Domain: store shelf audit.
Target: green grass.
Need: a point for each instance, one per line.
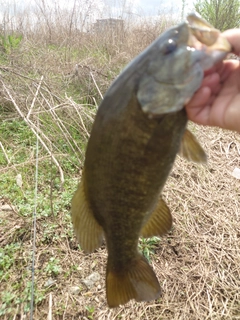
(10, 42)
(16, 286)
(148, 246)
(63, 108)
(52, 213)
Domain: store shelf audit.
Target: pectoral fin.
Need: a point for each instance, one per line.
(89, 233)
(160, 221)
(191, 149)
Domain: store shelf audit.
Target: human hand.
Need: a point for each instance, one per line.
(217, 101)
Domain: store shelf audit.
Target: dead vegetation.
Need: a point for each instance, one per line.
(43, 93)
(197, 263)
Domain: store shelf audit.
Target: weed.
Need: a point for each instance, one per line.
(53, 268)
(7, 259)
(10, 42)
(90, 310)
(148, 246)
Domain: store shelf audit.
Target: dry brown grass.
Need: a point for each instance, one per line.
(197, 263)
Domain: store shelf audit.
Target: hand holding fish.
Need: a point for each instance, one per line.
(217, 102)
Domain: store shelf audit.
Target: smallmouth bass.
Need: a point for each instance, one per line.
(139, 128)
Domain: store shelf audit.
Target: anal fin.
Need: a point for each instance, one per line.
(137, 281)
(88, 232)
(190, 148)
(160, 221)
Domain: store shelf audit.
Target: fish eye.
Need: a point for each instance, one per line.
(170, 47)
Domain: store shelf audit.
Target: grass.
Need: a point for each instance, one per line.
(148, 246)
(43, 94)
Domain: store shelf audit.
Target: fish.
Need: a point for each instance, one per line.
(139, 128)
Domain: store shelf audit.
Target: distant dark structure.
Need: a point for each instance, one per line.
(108, 25)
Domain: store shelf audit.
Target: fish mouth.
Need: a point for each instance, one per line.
(207, 45)
(205, 38)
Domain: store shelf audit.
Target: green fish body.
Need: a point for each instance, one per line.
(139, 128)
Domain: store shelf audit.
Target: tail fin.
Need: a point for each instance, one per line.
(137, 281)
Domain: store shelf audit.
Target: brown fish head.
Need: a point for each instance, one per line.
(177, 61)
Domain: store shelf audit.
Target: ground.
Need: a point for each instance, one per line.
(197, 263)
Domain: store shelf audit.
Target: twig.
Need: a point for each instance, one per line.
(36, 131)
(96, 105)
(7, 69)
(96, 85)
(80, 117)
(34, 229)
(62, 127)
(34, 98)
(65, 308)
(4, 152)
(87, 67)
(51, 188)
(14, 166)
(50, 307)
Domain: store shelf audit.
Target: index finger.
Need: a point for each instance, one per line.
(233, 36)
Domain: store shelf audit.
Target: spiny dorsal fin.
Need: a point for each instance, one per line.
(160, 221)
(89, 233)
(137, 281)
(190, 148)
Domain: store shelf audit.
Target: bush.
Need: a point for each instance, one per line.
(222, 14)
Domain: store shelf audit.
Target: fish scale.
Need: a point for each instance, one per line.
(139, 128)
